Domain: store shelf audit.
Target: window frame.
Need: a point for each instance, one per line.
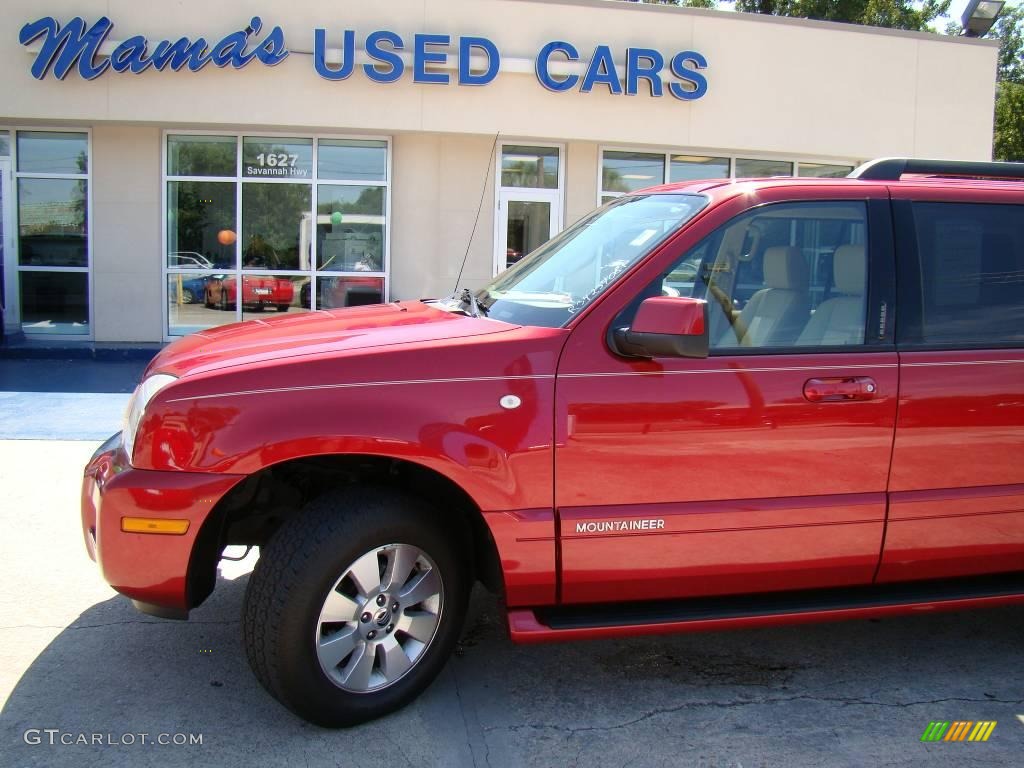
(879, 335)
(12, 266)
(732, 157)
(313, 273)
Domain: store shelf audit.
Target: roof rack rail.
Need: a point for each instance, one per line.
(892, 168)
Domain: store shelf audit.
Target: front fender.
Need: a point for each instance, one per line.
(502, 458)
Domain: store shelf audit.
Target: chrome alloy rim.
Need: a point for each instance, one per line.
(379, 618)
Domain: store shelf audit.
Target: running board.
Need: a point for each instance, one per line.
(742, 611)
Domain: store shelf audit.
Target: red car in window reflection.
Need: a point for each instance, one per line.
(344, 292)
(258, 291)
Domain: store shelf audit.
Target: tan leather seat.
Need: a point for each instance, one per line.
(840, 320)
(775, 315)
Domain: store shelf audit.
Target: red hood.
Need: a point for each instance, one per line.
(316, 333)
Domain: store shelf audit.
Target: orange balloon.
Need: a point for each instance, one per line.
(226, 237)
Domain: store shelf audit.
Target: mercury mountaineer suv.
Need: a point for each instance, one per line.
(706, 405)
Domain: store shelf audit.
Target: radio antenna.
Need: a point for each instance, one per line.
(483, 192)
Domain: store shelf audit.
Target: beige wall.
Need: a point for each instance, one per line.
(581, 180)
(807, 88)
(435, 195)
(127, 289)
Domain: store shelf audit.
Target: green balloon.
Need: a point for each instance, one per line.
(336, 218)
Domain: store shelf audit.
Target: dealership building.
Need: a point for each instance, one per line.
(173, 166)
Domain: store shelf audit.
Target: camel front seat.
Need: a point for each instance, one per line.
(775, 315)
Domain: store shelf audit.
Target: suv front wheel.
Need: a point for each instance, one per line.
(354, 606)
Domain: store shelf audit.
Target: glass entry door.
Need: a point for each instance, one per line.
(526, 220)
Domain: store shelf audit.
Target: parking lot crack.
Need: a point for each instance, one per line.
(837, 700)
(465, 723)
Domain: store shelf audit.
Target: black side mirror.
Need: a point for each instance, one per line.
(665, 326)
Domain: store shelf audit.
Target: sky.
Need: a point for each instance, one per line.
(956, 10)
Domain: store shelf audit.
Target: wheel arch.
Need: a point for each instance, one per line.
(252, 510)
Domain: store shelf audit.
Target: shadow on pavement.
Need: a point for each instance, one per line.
(78, 375)
(854, 693)
(78, 399)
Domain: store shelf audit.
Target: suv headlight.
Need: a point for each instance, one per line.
(145, 392)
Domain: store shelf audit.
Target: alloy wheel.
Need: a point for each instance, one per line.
(379, 618)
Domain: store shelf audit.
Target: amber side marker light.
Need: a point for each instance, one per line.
(153, 525)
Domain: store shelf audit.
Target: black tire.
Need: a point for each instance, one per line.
(224, 305)
(299, 567)
(283, 307)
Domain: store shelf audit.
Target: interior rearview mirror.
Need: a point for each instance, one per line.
(665, 326)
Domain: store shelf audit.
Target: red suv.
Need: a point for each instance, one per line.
(706, 405)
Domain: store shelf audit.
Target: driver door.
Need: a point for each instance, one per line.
(682, 477)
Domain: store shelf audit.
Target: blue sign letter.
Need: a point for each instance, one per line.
(272, 50)
(131, 54)
(466, 46)
(390, 58)
(542, 66)
(649, 71)
(601, 70)
(684, 73)
(421, 57)
(67, 45)
(348, 55)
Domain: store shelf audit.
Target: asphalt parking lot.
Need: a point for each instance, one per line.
(77, 658)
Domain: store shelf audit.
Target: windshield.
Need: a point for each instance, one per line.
(564, 275)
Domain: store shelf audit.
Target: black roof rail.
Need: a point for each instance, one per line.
(892, 168)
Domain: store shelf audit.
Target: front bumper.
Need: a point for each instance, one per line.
(151, 569)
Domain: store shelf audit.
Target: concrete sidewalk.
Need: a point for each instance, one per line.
(75, 399)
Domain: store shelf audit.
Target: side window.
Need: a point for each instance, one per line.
(972, 273)
(781, 276)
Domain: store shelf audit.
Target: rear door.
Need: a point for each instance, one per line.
(763, 467)
(957, 487)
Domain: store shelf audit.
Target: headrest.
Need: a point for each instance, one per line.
(785, 267)
(848, 269)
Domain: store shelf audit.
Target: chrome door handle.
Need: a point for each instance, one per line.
(840, 389)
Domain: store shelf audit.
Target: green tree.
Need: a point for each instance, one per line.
(1008, 141)
(895, 14)
(1008, 137)
(681, 3)
(1009, 30)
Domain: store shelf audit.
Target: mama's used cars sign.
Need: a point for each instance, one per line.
(385, 58)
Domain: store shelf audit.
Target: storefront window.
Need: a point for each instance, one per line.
(52, 185)
(824, 170)
(249, 231)
(277, 158)
(697, 167)
(51, 152)
(528, 166)
(747, 168)
(5, 144)
(624, 171)
(200, 224)
(275, 223)
(350, 228)
(352, 160)
(201, 155)
(630, 171)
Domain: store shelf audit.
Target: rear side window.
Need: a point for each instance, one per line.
(972, 273)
